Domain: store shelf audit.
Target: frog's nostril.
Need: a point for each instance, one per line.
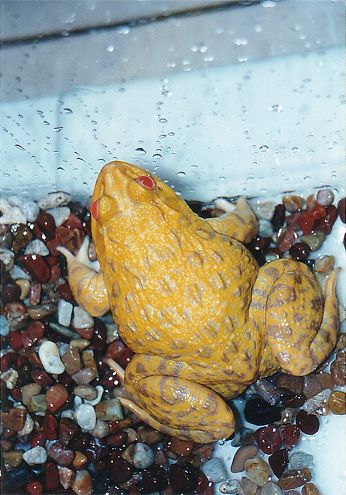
(95, 209)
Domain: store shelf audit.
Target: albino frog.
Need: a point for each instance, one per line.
(190, 300)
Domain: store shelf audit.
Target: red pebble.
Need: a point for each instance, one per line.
(293, 221)
(38, 438)
(34, 488)
(118, 351)
(65, 292)
(268, 439)
(56, 396)
(50, 427)
(52, 260)
(309, 218)
(16, 341)
(278, 462)
(342, 209)
(51, 482)
(33, 333)
(61, 454)
(46, 224)
(85, 333)
(327, 222)
(70, 238)
(42, 378)
(36, 266)
(7, 360)
(35, 293)
(17, 394)
(55, 274)
(287, 241)
(307, 423)
(73, 222)
(290, 435)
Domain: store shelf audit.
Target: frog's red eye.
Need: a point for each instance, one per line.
(146, 182)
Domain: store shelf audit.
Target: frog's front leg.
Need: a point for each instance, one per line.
(240, 224)
(174, 405)
(300, 330)
(87, 285)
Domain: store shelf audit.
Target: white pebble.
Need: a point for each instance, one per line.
(215, 470)
(37, 455)
(11, 214)
(10, 377)
(37, 247)
(232, 487)
(60, 214)
(86, 417)
(30, 210)
(81, 319)
(7, 257)
(65, 309)
(99, 390)
(101, 429)
(271, 488)
(316, 402)
(17, 273)
(16, 201)
(66, 413)
(50, 357)
(143, 456)
(28, 426)
(54, 199)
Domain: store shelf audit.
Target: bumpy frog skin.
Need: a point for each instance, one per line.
(189, 299)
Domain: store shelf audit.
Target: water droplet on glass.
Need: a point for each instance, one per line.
(268, 4)
(141, 150)
(199, 47)
(20, 147)
(171, 133)
(162, 120)
(60, 169)
(123, 30)
(181, 174)
(110, 48)
(157, 155)
(240, 41)
(295, 149)
(264, 148)
(276, 108)
(242, 59)
(258, 28)
(68, 110)
(210, 58)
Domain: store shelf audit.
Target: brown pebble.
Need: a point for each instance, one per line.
(337, 402)
(181, 447)
(326, 380)
(341, 342)
(28, 391)
(242, 454)
(79, 460)
(293, 203)
(311, 386)
(14, 419)
(82, 484)
(41, 311)
(131, 435)
(290, 382)
(127, 454)
(338, 368)
(72, 361)
(13, 458)
(258, 470)
(149, 435)
(24, 288)
(294, 478)
(310, 489)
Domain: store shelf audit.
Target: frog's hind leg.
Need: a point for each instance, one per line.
(300, 332)
(174, 405)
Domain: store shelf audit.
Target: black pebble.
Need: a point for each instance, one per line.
(258, 412)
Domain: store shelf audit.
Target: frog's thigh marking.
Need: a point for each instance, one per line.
(240, 224)
(174, 405)
(300, 333)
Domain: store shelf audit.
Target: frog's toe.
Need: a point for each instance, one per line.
(82, 255)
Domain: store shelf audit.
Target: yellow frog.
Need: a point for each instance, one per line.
(190, 300)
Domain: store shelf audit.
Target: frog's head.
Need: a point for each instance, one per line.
(122, 188)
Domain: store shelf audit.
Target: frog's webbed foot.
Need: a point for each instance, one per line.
(240, 223)
(300, 332)
(87, 284)
(173, 405)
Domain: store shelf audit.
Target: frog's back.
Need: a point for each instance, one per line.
(181, 289)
